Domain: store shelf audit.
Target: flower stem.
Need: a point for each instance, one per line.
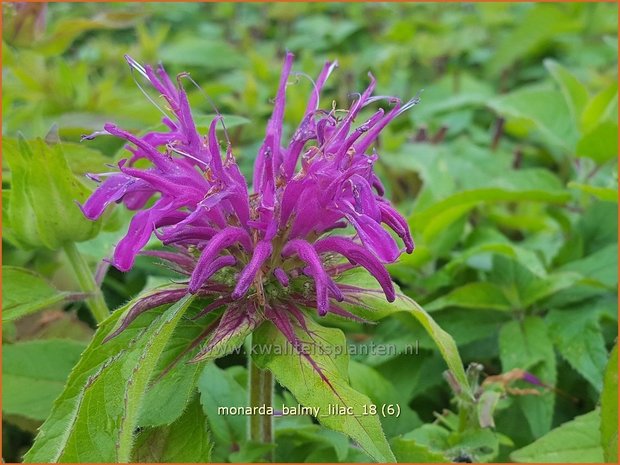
(87, 283)
(261, 394)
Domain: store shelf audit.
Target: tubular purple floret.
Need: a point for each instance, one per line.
(357, 254)
(262, 252)
(202, 273)
(281, 276)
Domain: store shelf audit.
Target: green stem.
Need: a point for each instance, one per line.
(87, 283)
(261, 394)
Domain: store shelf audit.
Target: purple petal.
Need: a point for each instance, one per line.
(281, 276)
(308, 254)
(204, 271)
(111, 190)
(359, 255)
(154, 300)
(394, 220)
(262, 252)
(373, 235)
(139, 232)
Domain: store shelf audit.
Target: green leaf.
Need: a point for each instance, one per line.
(602, 107)
(218, 388)
(600, 144)
(523, 288)
(187, 440)
(575, 93)
(34, 374)
(43, 212)
(577, 441)
(174, 379)
(577, 336)
(26, 292)
(480, 295)
(609, 409)
(601, 266)
(107, 375)
(602, 193)
(543, 108)
(526, 345)
(409, 451)
(370, 382)
(525, 185)
(297, 374)
(368, 301)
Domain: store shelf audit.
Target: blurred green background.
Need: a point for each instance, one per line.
(506, 171)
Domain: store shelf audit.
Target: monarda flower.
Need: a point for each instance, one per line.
(316, 210)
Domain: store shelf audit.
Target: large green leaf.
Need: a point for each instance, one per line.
(575, 93)
(327, 348)
(480, 295)
(174, 379)
(544, 109)
(600, 144)
(187, 440)
(218, 388)
(526, 345)
(366, 299)
(105, 392)
(525, 185)
(576, 441)
(609, 409)
(34, 374)
(577, 335)
(522, 288)
(25, 292)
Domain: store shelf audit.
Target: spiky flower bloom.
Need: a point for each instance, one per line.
(271, 253)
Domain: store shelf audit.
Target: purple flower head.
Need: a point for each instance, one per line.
(258, 253)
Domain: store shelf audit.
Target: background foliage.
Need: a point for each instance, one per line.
(507, 172)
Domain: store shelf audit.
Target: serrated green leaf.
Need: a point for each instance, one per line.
(576, 441)
(65, 435)
(34, 374)
(522, 288)
(526, 345)
(295, 372)
(174, 379)
(368, 301)
(25, 292)
(609, 409)
(577, 336)
(187, 440)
